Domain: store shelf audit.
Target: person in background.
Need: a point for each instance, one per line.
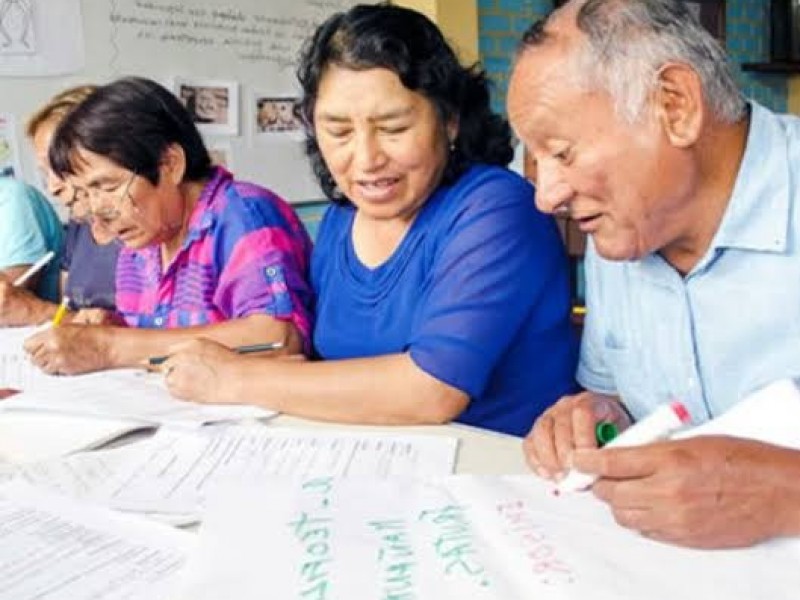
(689, 194)
(441, 292)
(87, 246)
(29, 229)
(204, 254)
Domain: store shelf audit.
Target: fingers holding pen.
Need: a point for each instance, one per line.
(200, 371)
(568, 425)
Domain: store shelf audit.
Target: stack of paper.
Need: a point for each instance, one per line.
(174, 471)
(53, 548)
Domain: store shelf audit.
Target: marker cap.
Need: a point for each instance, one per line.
(605, 431)
(680, 411)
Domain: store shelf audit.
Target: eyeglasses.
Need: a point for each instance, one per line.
(111, 204)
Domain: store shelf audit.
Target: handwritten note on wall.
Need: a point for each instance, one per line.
(236, 36)
(457, 537)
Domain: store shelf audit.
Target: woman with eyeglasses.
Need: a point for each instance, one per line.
(89, 259)
(204, 255)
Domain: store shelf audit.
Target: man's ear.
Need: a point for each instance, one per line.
(679, 104)
(173, 164)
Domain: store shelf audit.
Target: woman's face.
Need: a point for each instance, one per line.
(267, 114)
(385, 145)
(209, 105)
(41, 144)
(57, 187)
(127, 205)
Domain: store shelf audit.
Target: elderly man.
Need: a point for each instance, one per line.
(690, 195)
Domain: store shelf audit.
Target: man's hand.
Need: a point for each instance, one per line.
(705, 492)
(71, 349)
(567, 425)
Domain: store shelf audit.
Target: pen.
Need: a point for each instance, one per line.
(61, 311)
(34, 269)
(157, 360)
(659, 424)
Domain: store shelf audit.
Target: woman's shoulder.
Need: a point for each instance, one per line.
(236, 200)
(486, 189)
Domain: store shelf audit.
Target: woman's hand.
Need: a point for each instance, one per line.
(203, 371)
(97, 316)
(71, 349)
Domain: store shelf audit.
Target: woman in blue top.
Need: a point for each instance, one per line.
(442, 292)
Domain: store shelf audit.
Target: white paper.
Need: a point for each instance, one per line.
(9, 147)
(456, 537)
(120, 394)
(17, 35)
(16, 371)
(76, 476)
(770, 414)
(27, 437)
(49, 42)
(54, 549)
(124, 394)
(175, 470)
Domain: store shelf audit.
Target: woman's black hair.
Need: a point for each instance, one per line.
(130, 121)
(409, 44)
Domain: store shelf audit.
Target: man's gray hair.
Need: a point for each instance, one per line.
(629, 41)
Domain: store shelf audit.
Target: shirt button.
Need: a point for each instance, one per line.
(271, 272)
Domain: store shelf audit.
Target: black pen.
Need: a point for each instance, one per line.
(154, 361)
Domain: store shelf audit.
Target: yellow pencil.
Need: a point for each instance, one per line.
(62, 310)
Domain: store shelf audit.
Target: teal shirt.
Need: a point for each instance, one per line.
(29, 228)
(732, 324)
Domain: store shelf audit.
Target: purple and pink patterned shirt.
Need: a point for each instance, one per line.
(246, 252)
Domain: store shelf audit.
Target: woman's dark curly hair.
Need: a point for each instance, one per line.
(409, 44)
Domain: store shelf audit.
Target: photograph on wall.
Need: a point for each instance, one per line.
(214, 105)
(17, 27)
(9, 148)
(274, 115)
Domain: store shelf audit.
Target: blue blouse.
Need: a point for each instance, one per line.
(477, 293)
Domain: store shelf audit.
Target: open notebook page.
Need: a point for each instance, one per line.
(120, 394)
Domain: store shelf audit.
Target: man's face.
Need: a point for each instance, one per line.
(622, 183)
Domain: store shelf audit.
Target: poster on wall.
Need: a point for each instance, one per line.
(40, 38)
(9, 148)
(17, 35)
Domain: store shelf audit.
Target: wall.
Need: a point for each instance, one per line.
(794, 95)
(458, 20)
(747, 33)
(501, 23)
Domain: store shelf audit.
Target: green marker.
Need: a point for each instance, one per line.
(605, 431)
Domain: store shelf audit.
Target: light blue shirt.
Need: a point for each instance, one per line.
(733, 323)
(29, 228)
